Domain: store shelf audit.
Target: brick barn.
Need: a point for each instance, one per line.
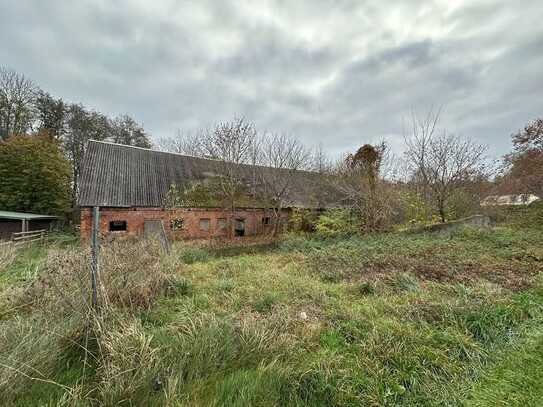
(131, 187)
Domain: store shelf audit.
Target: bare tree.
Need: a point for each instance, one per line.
(232, 144)
(320, 161)
(441, 163)
(282, 157)
(17, 95)
(360, 179)
(183, 143)
(258, 167)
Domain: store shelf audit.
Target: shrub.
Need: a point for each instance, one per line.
(302, 220)
(462, 204)
(337, 223)
(134, 275)
(415, 210)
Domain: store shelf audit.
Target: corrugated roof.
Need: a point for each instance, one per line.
(116, 175)
(26, 216)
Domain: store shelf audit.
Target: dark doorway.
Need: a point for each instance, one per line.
(239, 227)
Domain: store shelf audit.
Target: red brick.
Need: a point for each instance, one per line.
(135, 218)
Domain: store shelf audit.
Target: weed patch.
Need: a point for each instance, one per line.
(391, 319)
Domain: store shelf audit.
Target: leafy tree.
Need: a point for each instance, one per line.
(531, 138)
(82, 125)
(51, 114)
(34, 175)
(525, 164)
(24, 107)
(125, 130)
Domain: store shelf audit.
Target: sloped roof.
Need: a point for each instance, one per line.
(116, 175)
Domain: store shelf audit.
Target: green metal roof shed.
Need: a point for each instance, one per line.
(11, 222)
(26, 216)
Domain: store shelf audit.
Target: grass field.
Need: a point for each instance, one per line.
(390, 319)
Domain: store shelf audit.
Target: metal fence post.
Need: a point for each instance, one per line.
(95, 253)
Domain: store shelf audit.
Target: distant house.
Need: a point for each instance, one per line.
(509, 200)
(13, 222)
(131, 186)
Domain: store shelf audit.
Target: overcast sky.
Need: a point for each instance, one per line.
(340, 73)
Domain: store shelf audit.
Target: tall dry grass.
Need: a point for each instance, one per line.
(56, 326)
(7, 255)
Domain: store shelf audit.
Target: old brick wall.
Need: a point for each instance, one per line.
(191, 219)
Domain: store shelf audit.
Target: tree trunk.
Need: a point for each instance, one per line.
(232, 220)
(277, 215)
(442, 212)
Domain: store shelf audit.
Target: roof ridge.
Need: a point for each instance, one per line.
(152, 150)
(200, 158)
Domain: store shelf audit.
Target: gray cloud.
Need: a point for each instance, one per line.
(337, 73)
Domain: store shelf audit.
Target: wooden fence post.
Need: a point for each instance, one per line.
(95, 254)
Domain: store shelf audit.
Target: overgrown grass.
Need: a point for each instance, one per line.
(386, 319)
(516, 378)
